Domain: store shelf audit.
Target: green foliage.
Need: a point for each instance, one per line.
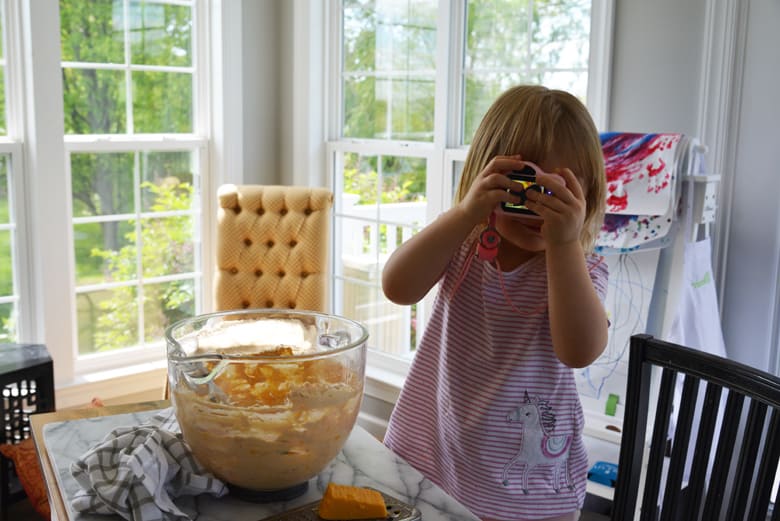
(402, 180)
(166, 248)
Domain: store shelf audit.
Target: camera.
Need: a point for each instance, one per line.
(524, 179)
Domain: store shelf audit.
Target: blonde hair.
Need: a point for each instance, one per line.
(540, 124)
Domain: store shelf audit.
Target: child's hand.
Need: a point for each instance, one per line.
(563, 212)
(490, 188)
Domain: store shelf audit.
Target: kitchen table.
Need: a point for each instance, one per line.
(64, 436)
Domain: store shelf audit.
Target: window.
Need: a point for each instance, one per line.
(410, 84)
(129, 78)
(10, 162)
(123, 88)
(128, 71)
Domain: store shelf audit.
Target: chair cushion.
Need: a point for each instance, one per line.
(30, 475)
(272, 246)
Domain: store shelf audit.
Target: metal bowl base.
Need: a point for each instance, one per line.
(268, 496)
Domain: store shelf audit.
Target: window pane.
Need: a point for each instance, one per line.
(7, 323)
(481, 91)
(389, 35)
(8, 297)
(160, 34)
(403, 186)
(383, 204)
(509, 42)
(573, 82)
(165, 304)
(391, 327)
(6, 269)
(167, 180)
(497, 35)
(105, 252)
(94, 101)
(5, 191)
(2, 30)
(382, 108)
(92, 31)
(162, 102)
(107, 319)
(167, 246)
(102, 184)
(106, 244)
(3, 124)
(389, 69)
(561, 37)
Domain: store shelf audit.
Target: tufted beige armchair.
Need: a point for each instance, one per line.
(272, 247)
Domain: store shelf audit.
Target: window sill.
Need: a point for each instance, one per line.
(383, 384)
(112, 384)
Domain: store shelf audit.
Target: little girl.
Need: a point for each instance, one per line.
(490, 410)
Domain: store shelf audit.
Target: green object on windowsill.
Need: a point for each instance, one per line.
(612, 402)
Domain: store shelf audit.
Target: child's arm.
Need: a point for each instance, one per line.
(413, 269)
(578, 321)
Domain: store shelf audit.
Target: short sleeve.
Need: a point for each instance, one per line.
(599, 274)
(453, 273)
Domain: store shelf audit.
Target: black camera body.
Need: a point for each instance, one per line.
(524, 180)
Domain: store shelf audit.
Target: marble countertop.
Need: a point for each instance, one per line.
(364, 461)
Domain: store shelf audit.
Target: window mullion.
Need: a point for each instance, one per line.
(11, 145)
(447, 111)
(46, 178)
(128, 73)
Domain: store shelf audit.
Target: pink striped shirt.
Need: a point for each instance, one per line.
(488, 412)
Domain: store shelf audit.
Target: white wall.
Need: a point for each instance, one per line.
(751, 238)
(262, 54)
(657, 58)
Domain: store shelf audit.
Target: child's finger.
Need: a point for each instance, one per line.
(572, 183)
(502, 165)
(545, 201)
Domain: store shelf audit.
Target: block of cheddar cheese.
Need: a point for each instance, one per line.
(346, 502)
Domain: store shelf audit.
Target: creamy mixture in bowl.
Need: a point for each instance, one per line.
(266, 399)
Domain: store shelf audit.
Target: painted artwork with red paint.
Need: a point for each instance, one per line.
(640, 170)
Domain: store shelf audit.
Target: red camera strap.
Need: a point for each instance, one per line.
(489, 239)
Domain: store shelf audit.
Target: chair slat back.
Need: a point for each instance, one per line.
(731, 479)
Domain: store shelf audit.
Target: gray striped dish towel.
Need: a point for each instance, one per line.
(136, 472)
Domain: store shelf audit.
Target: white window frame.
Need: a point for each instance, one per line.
(148, 353)
(11, 145)
(386, 373)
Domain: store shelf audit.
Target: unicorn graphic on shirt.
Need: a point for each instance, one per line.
(539, 446)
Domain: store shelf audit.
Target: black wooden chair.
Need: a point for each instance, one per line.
(732, 483)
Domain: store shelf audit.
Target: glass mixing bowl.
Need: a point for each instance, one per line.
(266, 398)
